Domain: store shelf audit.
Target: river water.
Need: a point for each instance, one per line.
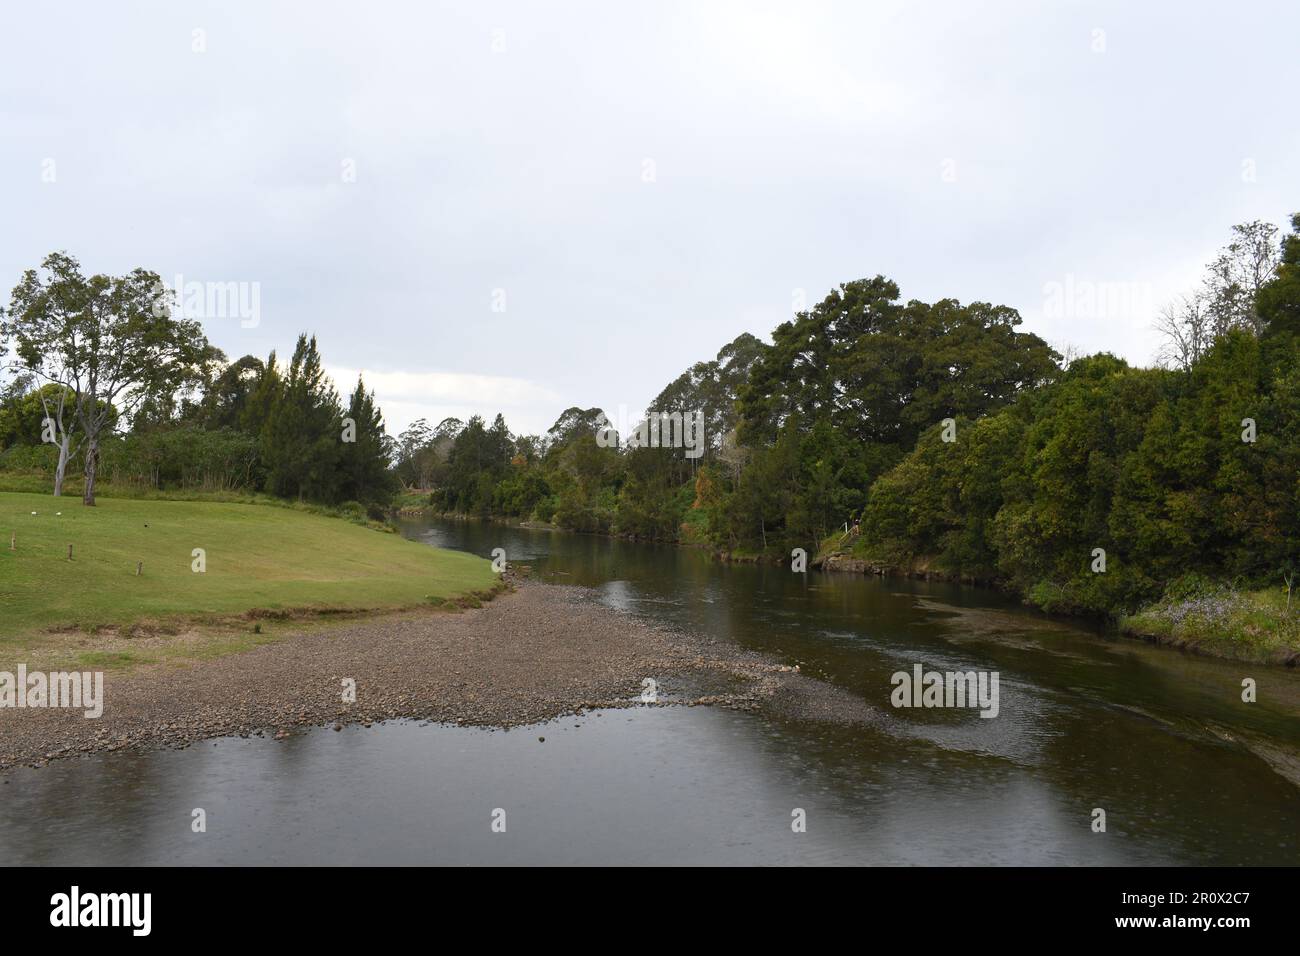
(1186, 772)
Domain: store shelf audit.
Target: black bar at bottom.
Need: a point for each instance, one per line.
(212, 904)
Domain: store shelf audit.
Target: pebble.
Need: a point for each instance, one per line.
(566, 655)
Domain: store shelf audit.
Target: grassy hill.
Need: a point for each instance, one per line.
(257, 558)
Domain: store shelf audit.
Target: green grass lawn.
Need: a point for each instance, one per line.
(257, 557)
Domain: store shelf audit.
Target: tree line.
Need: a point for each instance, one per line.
(908, 433)
(899, 431)
(106, 376)
(1166, 475)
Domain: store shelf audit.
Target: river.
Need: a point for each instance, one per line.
(1186, 772)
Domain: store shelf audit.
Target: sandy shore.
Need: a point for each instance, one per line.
(537, 653)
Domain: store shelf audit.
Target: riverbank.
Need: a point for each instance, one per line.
(538, 653)
(1256, 630)
(1254, 626)
(145, 567)
(1241, 625)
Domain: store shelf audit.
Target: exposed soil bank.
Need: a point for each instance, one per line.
(538, 653)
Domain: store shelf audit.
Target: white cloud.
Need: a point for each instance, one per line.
(797, 145)
(529, 407)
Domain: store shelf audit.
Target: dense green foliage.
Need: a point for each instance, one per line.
(793, 433)
(1161, 469)
(902, 432)
(108, 344)
(1148, 464)
(250, 427)
(844, 418)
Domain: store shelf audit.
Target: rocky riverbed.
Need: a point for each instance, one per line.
(539, 652)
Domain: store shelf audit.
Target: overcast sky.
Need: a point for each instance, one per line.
(520, 207)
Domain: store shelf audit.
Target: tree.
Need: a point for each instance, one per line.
(1233, 281)
(421, 452)
(411, 444)
(576, 421)
(1187, 327)
(712, 389)
(302, 437)
(479, 459)
(1279, 300)
(863, 375)
(882, 372)
(21, 414)
(364, 460)
(227, 396)
(112, 341)
(57, 421)
(40, 415)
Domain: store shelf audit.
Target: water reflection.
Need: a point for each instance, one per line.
(1160, 739)
(656, 786)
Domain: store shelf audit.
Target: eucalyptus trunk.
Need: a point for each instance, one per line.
(61, 469)
(92, 462)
